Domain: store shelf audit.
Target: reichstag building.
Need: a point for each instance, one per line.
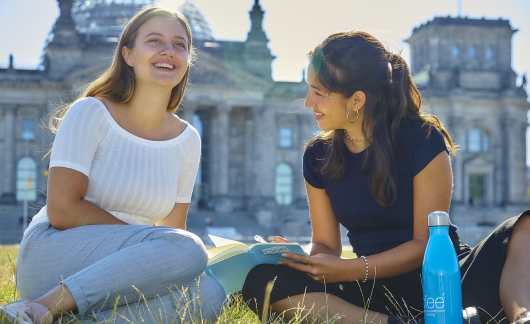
(253, 128)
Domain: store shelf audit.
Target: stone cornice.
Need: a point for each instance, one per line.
(5, 107)
(462, 21)
(7, 85)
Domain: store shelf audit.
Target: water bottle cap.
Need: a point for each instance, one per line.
(439, 218)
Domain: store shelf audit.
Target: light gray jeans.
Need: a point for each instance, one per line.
(141, 273)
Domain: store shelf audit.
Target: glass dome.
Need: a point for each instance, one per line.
(106, 18)
(199, 26)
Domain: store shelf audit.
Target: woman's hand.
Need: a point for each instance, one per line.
(324, 268)
(279, 239)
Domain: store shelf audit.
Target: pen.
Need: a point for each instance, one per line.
(259, 239)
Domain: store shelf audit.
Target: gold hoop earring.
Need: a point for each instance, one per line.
(348, 116)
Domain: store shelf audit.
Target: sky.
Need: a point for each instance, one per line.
(293, 27)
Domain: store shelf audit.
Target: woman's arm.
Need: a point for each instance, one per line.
(186, 182)
(66, 205)
(74, 148)
(177, 217)
(325, 236)
(432, 191)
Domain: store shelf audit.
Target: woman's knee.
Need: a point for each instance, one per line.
(186, 251)
(202, 297)
(212, 297)
(253, 290)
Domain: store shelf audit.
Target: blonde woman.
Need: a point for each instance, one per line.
(121, 162)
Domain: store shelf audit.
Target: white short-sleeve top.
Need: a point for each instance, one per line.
(135, 179)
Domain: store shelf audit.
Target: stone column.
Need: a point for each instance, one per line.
(521, 141)
(249, 160)
(502, 163)
(223, 203)
(268, 149)
(257, 150)
(187, 112)
(9, 170)
(517, 160)
(264, 152)
(43, 144)
(456, 128)
(304, 136)
(263, 204)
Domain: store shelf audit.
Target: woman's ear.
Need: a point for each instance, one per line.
(126, 54)
(357, 100)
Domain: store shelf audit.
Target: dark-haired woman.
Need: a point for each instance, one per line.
(121, 162)
(379, 167)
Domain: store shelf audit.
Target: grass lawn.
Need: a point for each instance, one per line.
(6, 252)
(235, 312)
(8, 256)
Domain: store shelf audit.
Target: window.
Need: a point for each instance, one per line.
(477, 189)
(28, 129)
(490, 55)
(284, 184)
(455, 51)
(475, 140)
(472, 52)
(26, 179)
(286, 137)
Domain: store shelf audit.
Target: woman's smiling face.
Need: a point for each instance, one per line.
(329, 108)
(160, 52)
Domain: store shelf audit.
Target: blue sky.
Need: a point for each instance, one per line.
(293, 26)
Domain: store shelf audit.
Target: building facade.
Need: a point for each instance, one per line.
(253, 128)
(464, 69)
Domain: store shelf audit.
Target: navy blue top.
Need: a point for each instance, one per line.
(370, 225)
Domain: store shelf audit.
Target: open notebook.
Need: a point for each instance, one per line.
(230, 261)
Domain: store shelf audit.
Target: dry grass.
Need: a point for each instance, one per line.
(8, 252)
(234, 312)
(8, 256)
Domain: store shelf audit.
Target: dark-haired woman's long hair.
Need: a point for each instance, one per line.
(353, 61)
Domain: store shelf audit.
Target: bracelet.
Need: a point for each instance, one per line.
(366, 264)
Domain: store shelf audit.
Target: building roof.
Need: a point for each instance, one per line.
(464, 21)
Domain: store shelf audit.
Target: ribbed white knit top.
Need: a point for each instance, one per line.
(136, 180)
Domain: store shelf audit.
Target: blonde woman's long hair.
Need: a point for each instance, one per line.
(118, 82)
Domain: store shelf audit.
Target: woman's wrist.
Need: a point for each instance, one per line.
(366, 267)
(357, 269)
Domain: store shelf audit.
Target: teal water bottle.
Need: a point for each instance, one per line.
(442, 288)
